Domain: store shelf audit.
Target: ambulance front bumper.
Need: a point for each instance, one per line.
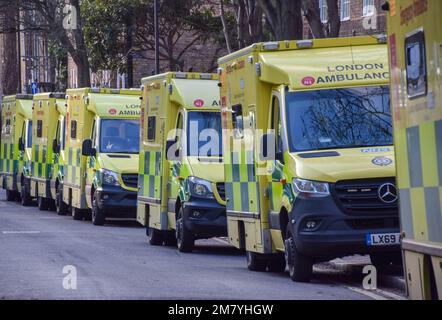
(336, 233)
(117, 202)
(205, 218)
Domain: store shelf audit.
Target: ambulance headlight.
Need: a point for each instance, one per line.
(200, 187)
(312, 188)
(110, 177)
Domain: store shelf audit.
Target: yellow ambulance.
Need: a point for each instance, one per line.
(16, 146)
(47, 116)
(102, 146)
(308, 153)
(415, 40)
(181, 178)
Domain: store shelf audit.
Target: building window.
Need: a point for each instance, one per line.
(323, 11)
(368, 8)
(345, 10)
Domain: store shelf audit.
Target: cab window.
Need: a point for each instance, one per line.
(29, 134)
(276, 123)
(63, 134)
(416, 64)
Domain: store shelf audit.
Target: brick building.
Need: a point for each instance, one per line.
(358, 17)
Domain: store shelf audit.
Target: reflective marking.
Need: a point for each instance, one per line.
(406, 214)
(438, 128)
(434, 219)
(414, 157)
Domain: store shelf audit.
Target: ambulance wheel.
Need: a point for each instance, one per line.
(383, 260)
(277, 264)
(300, 266)
(26, 199)
(155, 237)
(60, 207)
(256, 262)
(77, 214)
(184, 238)
(98, 216)
(51, 205)
(170, 239)
(42, 204)
(10, 195)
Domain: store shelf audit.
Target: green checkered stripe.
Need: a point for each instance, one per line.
(73, 167)
(8, 163)
(41, 166)
(241, 183)
(150, 179)
(419, 162)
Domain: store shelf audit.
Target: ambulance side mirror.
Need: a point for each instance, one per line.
(87, 149)
(172, 150)
(268, 147)
(55, 146)
(21, 144)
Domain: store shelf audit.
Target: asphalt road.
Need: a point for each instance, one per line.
(116, 262)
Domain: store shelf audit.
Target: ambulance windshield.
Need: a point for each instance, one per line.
(204, 134)
(119, 136)
(339, 118)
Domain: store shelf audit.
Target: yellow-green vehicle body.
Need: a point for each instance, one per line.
(170, 104)
(415, 40)
(106, 121)
(16, 144)
(324, 106)
(46, 163)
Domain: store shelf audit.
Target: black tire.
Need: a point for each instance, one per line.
(42, 204)
(60, 206)
(77, 214)
(25, 197)
(170, 239)
(156, 237)
(300, 266)
(98, 216)
(184, 238)
(51, 205)
(277, 264)
(10, 195)
(256, 261)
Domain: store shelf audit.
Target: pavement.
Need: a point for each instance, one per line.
(45, 256)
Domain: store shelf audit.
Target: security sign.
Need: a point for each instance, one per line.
(112, 111)
(382, 161)
(199, 103)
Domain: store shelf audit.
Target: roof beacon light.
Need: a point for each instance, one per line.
(382, 38)
(271, 45)
(304, 44)
(180, 75)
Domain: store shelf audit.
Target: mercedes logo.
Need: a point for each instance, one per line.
(388, 193)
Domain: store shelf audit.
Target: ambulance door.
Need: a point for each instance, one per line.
(90, 165)
(275, 172)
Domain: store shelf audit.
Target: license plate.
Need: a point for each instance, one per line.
(382, 239)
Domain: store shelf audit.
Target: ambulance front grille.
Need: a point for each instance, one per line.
(130, 180)
(221, 187)
(362, 197)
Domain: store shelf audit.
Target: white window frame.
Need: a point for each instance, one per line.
(323, 11)
(345, 4)
(368, 8)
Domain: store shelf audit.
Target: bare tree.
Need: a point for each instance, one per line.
(10, 77)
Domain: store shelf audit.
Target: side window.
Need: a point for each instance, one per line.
(416, 64)
(151, 128)
(276, 123)
(179, 126)
(63, 134)
(237, 121)
(39, 128)
(73, 129)
(29, 134)
(94, 134)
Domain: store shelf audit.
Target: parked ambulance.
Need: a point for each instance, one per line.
(16, 146)
(309, 157)
(48, 114)
(415, 40)
(181, 178)
(101, 148)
